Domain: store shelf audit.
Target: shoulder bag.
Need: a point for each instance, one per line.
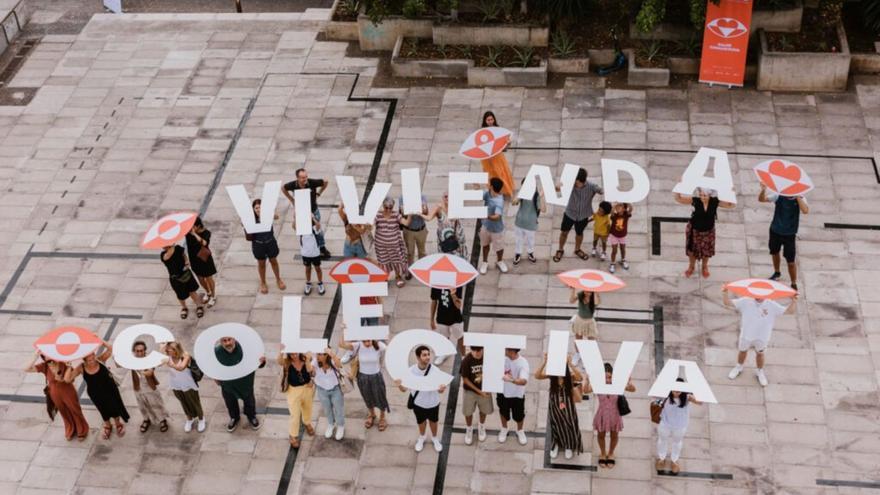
(623, 405)
(657, 409)
(194, 369)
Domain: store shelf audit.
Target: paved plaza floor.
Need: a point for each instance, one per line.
(144, 114)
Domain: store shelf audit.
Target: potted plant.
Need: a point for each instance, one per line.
(647, 65)
(419, 57)
(342, 25)
(383, 21)
(565, 56)
(494, 22)
(508, 66)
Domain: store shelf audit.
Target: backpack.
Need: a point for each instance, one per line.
(449, 243)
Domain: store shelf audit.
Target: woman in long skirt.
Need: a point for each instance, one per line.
(62, 393)
(102, 389)
(497, 166)
(369, 379)
(564, 427)
(388, 241)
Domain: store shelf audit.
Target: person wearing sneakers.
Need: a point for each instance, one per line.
(601, 229)
(328, 387)
(620, 216)
(492, 230)
(783, 230)
(446, 312)
(311, 257)
(472, 381)
(230, 353)
(425, 404)
(316, 187)
(512, 401)
(756, 327)
(526, 224)
(577, 214)
(184, 384)
(674, 419)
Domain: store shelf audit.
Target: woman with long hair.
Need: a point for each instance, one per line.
(607, 418)
(674, 419)
(184, 385)
(103, 390)
(370, 381)
(526, 224)
(264, 246)
(564, 427)
(201, 259)
(583, 323)
(497, 166)
(62, 395)
(328, 385)
(298, 386)
(700, 230)
(183, 282)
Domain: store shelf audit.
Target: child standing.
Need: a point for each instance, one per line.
(311, 256)
(601, 228)
(619, 221)
(526, 224)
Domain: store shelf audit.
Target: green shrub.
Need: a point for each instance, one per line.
(562, 45)
(523, 56)
(413, 8)
(651, 13)
(493, 56)
(871, 11)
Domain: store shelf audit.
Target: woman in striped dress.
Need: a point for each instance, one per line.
(564, 427)
(388, 241)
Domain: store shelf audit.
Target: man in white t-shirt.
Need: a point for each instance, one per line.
(512, 401)
(425, 404)
(756, 327)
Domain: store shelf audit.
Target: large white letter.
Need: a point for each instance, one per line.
(595, 367)
(291, 311)
(694, 383)
(611, 181)
(122, 346)
(348, 193)
(458, 194)
(493, 345)
(242, 203)
(557, 353)
(397, 359)
(411, 190)
(542, 173)
(302, 211)
(251, 346)
(353, 311)
(695, 175)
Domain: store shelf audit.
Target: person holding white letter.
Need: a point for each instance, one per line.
(700, 232)
(424, 404)
(512, 402)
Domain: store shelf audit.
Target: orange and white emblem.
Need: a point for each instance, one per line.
(443, 271)
(759, 288)
(357, 270)
(67, 343)
(168, 230)
(784, 178)
(591, 280)
(485, 143)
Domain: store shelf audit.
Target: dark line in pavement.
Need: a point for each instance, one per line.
(659, 343)
(554, 317)
(491, 432)
(656, 231)
(16, 275)
(570, 308)
(110, 315)
(24, 312)
(850, 226)
(850, 483)
(83, 255)
(689, 474)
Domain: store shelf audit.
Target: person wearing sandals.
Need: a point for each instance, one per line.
(564, 427)
(62, 394)
(388, 241)
(370, 381)
(526, 224)
(299, 388)
(577, 214)
(182, 279)
(264, 246)
(497, 166)
(674, 418)
(103, 391)
(149, 399)
(425, 404)
(583, 324)
(201, 260)
(230, 353)
(448, 228)
(700, 230)
(607, 418)
(184, 385)
(328, 387)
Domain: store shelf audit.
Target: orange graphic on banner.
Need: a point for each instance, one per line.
(726, 42)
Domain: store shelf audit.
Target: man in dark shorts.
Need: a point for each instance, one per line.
(425, 404)
(577, 214)
(316, 187)
(472, 382)
(783, 230)
(512, 401)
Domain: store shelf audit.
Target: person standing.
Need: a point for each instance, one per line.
(298, 386)
(601, 229)
(201, 259)
(577, 214)
(425, 404)
(583, 324)
(184, 385)
(390, 249)
(497, 166)
(564, 427)
(328, 385)
(446, 312)
(620, 216)
(103, 391)
(311, 257)
(353, 247)
(512, 401)
(607, 418)
(264, 246)
(700, 230)
(783, 230)
(316, 187)
(674, 419)
(756, 328)
(149, 399)
(415, 233)
(230, 353)
(370, 381)
(182, 279)
(492, 230)
(526, 224)
(472, 382)
(62, 394)
(449, 230)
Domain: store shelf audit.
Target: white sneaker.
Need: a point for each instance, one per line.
(554, 452)
(611, 268)
(468, 436)
(602, 256)
(735, 372)
(624, 264)
(481, 432)
(437, 445)
(762, 378)
(420, 444)
(502, 435)
(594, 253)
(307, 289)
(569, 454)
(188, 426)
(340, 432)
(502, 266)
(439, 360)
(484, 267)
(521, 436)
(329, 432)
(202, 425)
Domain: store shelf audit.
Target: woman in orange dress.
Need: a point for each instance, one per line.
(497, 166)
(59, 379)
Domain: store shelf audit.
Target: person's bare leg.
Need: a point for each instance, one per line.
(741, 357)
(308, 274)
(182, 303)
(692, 261)
(759, 360)
(469, 420)
(563, 237)
(261, 269)
(601, 439)
(792, 272)
(614, 438)
(499, 254)
(422, 428)
(623, 252)
(320, 274)
(614, 253)
(578, 241)
(776, 262)
(433, 427)
(503, 422)
(485, 254)
(277, 271)
(196, 299)
(705, 263)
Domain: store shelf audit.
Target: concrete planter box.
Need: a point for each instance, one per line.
(645, 76)
(663, 31)
(574, 65)
(491, 35)
(340, 30)
(799, 71)
(533, 77)
(683, 65)
(601, 56)
(13, 18)
(384, 35)
(865, 63)
(778, 21)
(403, 67)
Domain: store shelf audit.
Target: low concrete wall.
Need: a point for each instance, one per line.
(340, 30)
(491, 35)
(683, 65)
(645, 76)
(663, 31)
(534, 77)
(13, 18)
(574, 65)
(403, 67)
(865, 63)
(778, 21)
(384, 35)
(798, 71)
(601, 56)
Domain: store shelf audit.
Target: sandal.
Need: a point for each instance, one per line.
(400, 283)
(688, 272)
(558, 256)
(120, 430)
(212, 300)
(310, 430)
(200, 312)
(581, 254)
(294, 443)
(602, 462)
(382, 424)
(264, 289)
(280, 284)
(705, 273)
(368, 423)
(107, 431)
(145, 425)
(163, 425)
(610, 463)
(184, 313)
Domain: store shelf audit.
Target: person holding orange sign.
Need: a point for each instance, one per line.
(497, 166)
(61, 395)
(783, 230)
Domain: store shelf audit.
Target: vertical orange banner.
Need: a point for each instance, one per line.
(726, 42)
